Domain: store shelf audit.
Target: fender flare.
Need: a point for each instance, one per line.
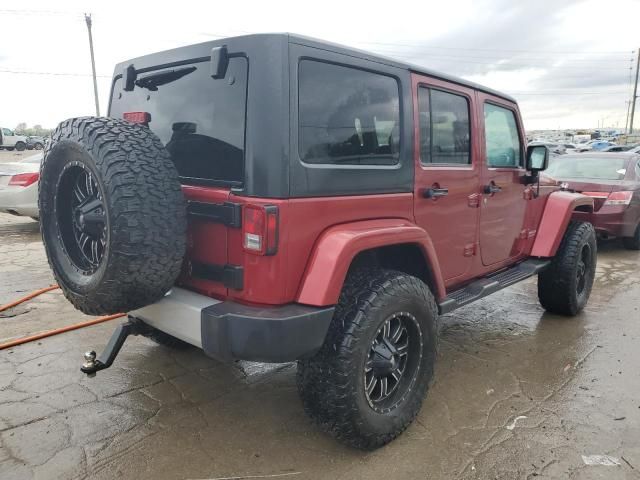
(557, 214)
(338, 245)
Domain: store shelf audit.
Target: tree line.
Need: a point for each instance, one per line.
(36, 130)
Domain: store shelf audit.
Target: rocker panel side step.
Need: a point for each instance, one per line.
(491, 284)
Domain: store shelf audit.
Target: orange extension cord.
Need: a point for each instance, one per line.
(49, 333)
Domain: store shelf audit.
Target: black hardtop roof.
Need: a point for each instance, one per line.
(325, 45)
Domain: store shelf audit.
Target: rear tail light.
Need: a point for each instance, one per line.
(137, 117)
(260, 229)
(24, 179)
(619, 198)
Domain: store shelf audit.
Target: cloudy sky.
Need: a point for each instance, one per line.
(568, 62)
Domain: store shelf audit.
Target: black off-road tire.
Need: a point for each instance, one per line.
(143, 211)
(10, 149)
(21, 146)
(632, 243)
(332, 382)
(559, 285)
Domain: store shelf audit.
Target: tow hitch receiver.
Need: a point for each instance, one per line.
(132, 327)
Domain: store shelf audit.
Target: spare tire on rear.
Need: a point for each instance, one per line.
(112, 213)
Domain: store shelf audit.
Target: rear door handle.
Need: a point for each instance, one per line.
(492, 188)
(435, 192)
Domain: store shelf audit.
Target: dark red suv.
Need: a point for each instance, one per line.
(277, 198)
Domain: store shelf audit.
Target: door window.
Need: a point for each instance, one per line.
(7, 132)
(501, 136)
(444, 127)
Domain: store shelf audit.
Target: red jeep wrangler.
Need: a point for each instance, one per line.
(276, 198)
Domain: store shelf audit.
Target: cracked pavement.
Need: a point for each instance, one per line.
(518, 393)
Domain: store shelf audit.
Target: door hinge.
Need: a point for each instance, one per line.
(470, 250)
(474, 200)
(528, 193)
(227, 213)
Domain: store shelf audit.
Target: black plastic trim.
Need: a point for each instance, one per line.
(231, 331)
(487, 285)
(227, 213)
(231, 276)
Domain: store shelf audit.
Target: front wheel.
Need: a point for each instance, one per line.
(565, 286)
(368, 381)
(20, 146)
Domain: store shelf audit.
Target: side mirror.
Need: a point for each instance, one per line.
(537, 158)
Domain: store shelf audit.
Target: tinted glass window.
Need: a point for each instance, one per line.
(501, 136)
(347, 116)
(200, 120)
(444, 127)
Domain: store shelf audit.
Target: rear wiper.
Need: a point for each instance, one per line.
(154, 80)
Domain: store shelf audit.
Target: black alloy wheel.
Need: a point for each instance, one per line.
(82, 218)
(393, 362)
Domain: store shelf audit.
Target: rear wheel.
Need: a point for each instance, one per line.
(368, 381)
(112, 213)
(565, 286)
(632, 243)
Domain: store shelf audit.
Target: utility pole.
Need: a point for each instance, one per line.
(626, 122)
(87, 18)
(635, 92)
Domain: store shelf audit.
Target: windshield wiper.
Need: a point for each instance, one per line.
(154, 80)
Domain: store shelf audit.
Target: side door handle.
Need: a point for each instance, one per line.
(491, 189)
(435, 192)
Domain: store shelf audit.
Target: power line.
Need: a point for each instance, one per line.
(61, 74)
(586, 52)
(501, 57)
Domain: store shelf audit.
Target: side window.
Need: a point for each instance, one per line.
(501, 136)
(444, 127)
(347, 116)
(7, 132)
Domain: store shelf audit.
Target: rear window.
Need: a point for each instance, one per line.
(594, 168)
(347, 116)
(200, 120)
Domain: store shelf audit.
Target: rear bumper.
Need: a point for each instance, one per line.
(228, 331)
(19, 200)
(610, 221)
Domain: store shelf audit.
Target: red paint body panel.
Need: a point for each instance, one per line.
(338, 246)
(277, 279)
(557, 214)
(451, 239)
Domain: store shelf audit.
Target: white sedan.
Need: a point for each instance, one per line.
(19, 186)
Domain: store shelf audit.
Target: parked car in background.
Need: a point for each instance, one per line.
(618, 148)
(595, 145)
(554, 148)
(10, 141)
(35, 142)
(19, 186)
(613, 180)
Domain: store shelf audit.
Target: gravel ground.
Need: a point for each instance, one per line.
(518, 394)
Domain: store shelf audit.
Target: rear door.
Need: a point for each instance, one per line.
(201, 121)
(504, 202)
(448, 171)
